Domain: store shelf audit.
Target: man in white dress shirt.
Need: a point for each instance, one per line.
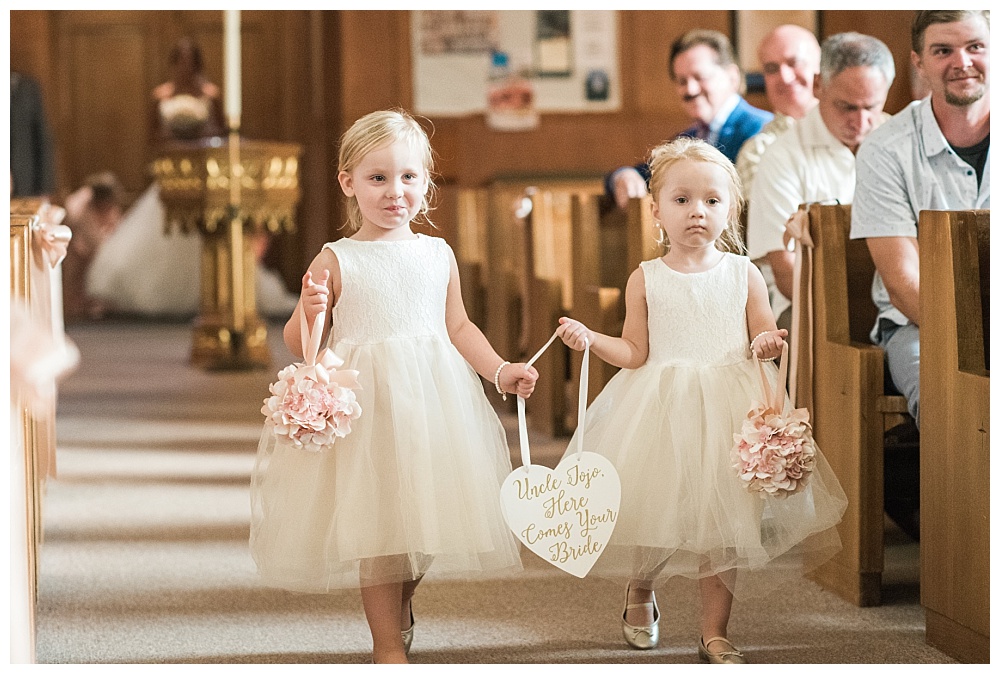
(789, 59)
(814, 161)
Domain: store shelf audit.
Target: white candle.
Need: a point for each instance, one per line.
(233, 63)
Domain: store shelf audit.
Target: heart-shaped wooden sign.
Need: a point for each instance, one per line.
(566, 515)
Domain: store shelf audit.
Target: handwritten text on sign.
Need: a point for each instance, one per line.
(566, 515)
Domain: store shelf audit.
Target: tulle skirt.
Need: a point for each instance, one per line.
(416, 481)
(684, 512)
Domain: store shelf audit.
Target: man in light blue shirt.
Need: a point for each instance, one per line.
(933, 155)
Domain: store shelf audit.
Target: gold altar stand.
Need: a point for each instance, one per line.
(229, 190)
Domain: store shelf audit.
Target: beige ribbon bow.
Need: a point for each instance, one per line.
(321, 364)
(50, 238)
(800, 384)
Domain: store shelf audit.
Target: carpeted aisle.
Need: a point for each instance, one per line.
(145, 556)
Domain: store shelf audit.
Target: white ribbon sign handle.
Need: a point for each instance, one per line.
(564, 515)
(522, 426)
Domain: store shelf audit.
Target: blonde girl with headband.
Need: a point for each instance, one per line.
(667, 420)
(417, 480)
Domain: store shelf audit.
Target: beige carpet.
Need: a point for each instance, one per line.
(145, 556)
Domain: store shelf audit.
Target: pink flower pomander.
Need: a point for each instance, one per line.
(774, 453)
(313, 405)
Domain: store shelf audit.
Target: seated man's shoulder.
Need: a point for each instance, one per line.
(895, 129)
(754, 113)
(784, 153)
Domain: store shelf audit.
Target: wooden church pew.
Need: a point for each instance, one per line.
(35, 282)
(507, 280)
(629, 237)
(551, 272)
(503, 276)
(851, 410)
(955, 432)
(596, 303)
(465, 212)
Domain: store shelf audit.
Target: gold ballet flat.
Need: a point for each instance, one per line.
(733, 656)
(408, 634)
(647, 636)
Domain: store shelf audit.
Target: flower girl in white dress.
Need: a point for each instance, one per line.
(667, 420)
(417, 480)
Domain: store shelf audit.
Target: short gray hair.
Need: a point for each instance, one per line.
(850, 50)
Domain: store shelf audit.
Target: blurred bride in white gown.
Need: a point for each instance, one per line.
(140, 268)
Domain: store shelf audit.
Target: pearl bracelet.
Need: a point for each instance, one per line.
(759, 334)
(496, 379)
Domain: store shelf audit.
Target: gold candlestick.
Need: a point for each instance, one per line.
(228, 190)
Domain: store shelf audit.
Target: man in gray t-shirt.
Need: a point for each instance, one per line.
(934, 155)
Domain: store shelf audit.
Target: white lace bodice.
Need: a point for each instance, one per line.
(700, 318)
(390, 289)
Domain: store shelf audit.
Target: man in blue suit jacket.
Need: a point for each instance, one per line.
(708, 80)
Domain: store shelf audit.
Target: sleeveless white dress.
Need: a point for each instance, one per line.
(668, 427)
(418, 477)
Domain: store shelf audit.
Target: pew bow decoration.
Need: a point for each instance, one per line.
(800, 375)
(313, 403)
(774, 451)
(51, 237)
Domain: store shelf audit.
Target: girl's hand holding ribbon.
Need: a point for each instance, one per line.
(767, 345)
(514, 378)
(574, 334)
(315, 295)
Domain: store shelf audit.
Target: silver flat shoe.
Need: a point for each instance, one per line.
(647, 636)
(408, 634)
(733, 656)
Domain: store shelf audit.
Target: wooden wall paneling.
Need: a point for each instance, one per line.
(322, 212)
(373, 46)
(283, 99)
(31, 52)
(103, 90)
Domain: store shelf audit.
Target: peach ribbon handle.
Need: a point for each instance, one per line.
(322, 364)
(50, 237)
(776, 399)
(800, 380)
(311, 338)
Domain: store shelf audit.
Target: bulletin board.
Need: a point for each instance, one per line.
(570, 57)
